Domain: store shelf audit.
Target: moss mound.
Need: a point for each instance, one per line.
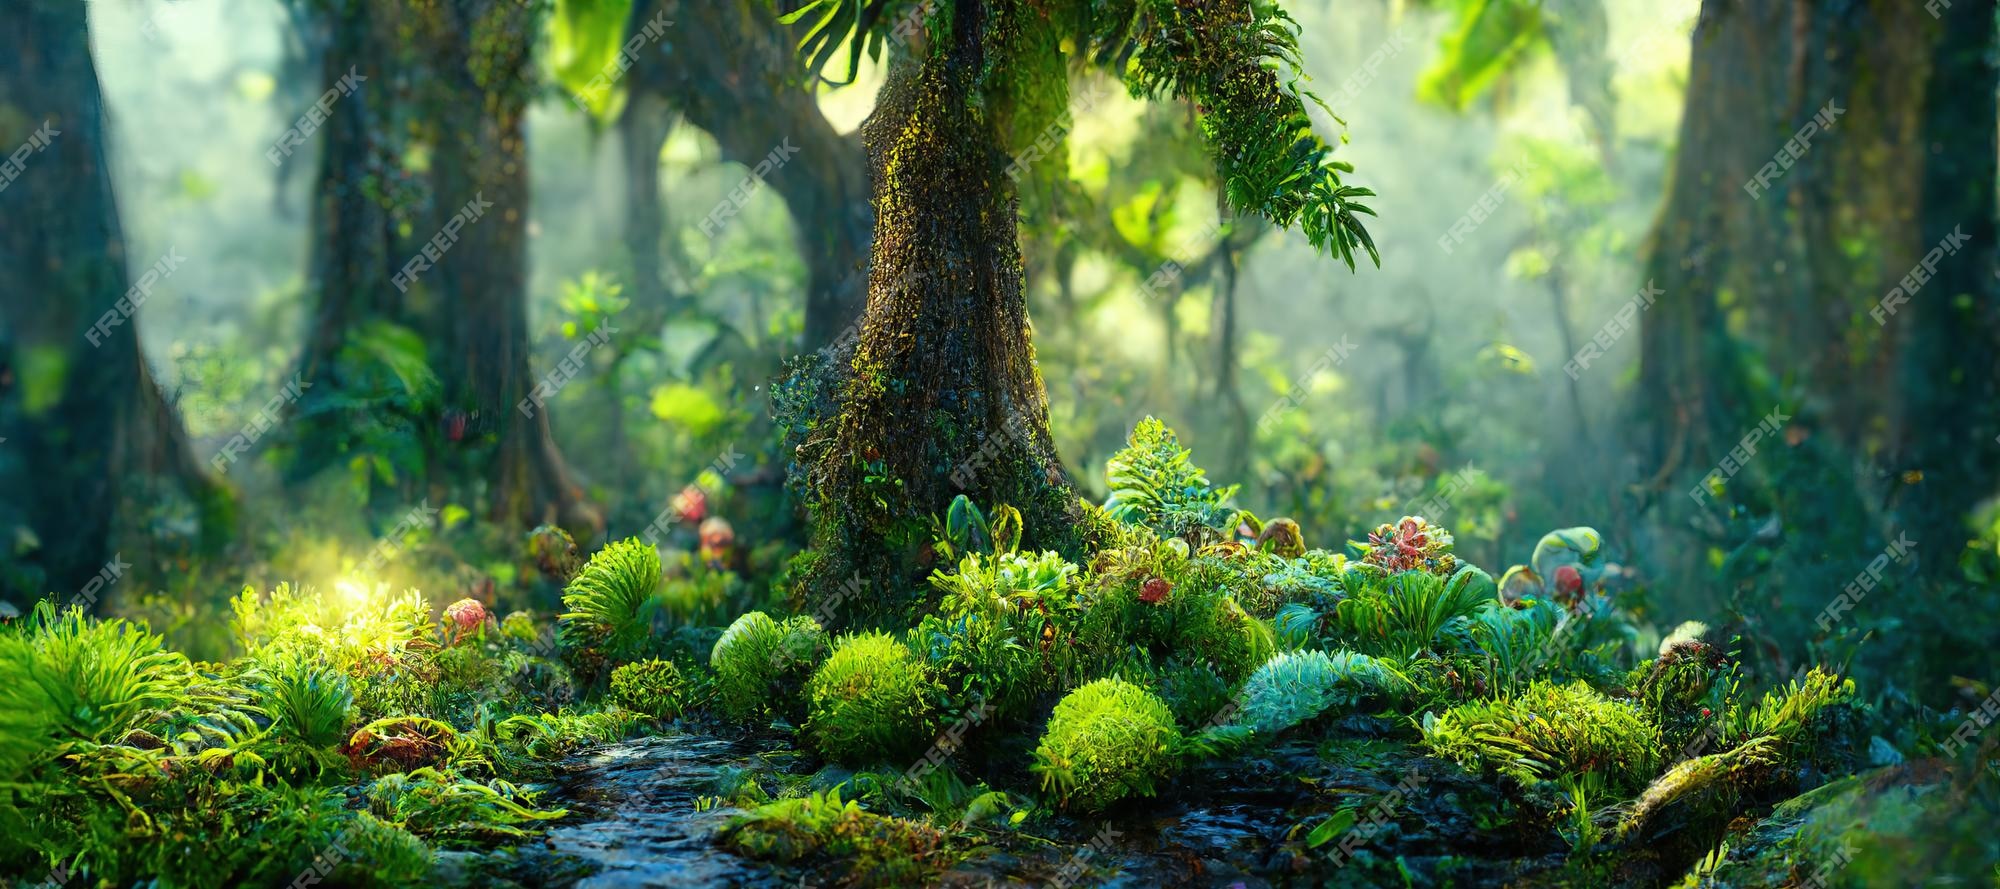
(761, 665)
(653, 687)
(871, 700)
(1106, 741)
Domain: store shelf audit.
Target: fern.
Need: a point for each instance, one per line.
(1406, 613)
(1548, 732)
(606, 598)
(1296, 687)
(1155, 483)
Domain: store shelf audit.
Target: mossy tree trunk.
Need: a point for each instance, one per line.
(84, 423)
(943, 396)
(480, 65)
(1947, 416)
(728, 67)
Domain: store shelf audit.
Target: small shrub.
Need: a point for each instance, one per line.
(603, 602)
(761, 665)
(1296, 687)
(871, 700)
(652, 687)
(1548, 732)
(1106, 741)
(1155, 483)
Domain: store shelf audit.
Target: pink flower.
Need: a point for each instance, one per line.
(464, 616)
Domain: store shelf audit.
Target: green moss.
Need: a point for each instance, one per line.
(1106, 741)
(877, 850)
(652, 687)
(872, 700)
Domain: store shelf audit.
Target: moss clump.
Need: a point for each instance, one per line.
(761, 665)
(880, 850)
(871, 699)
(652, 687)
(1106, 741)
(1549, 732)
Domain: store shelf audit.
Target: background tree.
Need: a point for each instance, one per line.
(85, 426)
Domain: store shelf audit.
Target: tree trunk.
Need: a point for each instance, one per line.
(729, 68)
(480, 73)
(943, 397)
(85, 425)
(1945, 460)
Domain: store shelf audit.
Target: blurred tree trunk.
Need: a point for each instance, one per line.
(84, 424)
(943, 397)
(1947, 418)
(479, 76)
(728, 67)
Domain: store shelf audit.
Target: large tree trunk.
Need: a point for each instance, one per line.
(728, 67)
(480, 68)
(943, 397)
(1947, 421)
(84, 424)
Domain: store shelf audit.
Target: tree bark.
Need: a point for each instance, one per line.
(83, 419)
(943, 397)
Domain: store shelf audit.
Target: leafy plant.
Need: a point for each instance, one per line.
(1408, 612)
(434, 803)
(99, 679)
(872, 699)
(1106, 741)
(1155, 483)
(761, 665)
(1548, 732)
(605, 599)
(1295, 687)
(652, 687)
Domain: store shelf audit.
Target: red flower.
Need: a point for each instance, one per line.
(1155, 590)
(692, 504)
(1569, 581)
(464, 616)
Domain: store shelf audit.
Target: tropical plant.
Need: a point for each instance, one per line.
(434, 803)
(653, 687)
(1155, 483)
(1408, 612)
(1107, 740)
(761, 665)
(1296, 687)
(605, 601)
(872, 700)
(1547, 732)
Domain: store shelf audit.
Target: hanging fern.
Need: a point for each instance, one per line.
(604, 601)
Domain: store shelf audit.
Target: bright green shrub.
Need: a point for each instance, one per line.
(310, 703)
(872, 700)
(879, 850)
(1295, 687)
(433, 803)
(653, 687)
(1154, 482)
(1549, 732)
(1006, 630)
(604, 602)
(99, 679)
(1401, 614)
(761, 665)
(1106, 741)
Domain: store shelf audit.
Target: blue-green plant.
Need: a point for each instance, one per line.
(1296, 687)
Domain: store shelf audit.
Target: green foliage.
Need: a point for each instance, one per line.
(652, 687)
(604, 601)
(1795, 715)
(1488, 39)
(96, 680)
(879, 850)
(761, 665)
(434, 803)
(1409, 612)
(1410, 544)
(1155, 483)
(1295, 687)
(1006, 629)
(872, 699)
(1549, 732)
(1106, 741)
